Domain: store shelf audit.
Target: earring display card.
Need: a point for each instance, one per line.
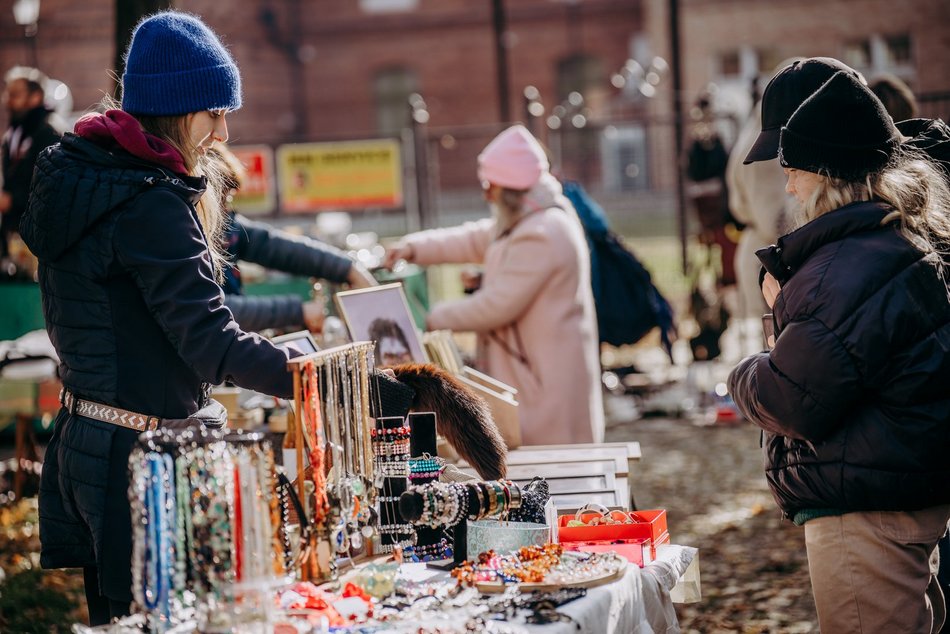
(422, 428)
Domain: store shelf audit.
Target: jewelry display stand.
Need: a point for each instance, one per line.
(430, 542)
(332, 405)
(392, 471)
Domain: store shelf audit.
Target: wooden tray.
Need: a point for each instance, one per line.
(495, 587)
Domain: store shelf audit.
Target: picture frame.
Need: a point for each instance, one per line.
(381, 314)
(301, 342)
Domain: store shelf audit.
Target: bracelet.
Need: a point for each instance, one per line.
(492, 499)
(481, 500)
(500, 505)
(515, 491)
(390, 432)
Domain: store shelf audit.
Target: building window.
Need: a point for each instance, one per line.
(898, 50)
(582, 74)
(391, 89)
(388, 6)
(623, 153)
(857, 54)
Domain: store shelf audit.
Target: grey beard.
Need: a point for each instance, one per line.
(503, 216)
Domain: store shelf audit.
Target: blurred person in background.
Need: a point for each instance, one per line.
(852, 398)
(124, 217)
(29, 134)
(259, 243)
(757, 199)
(897, 97)
(534, 310)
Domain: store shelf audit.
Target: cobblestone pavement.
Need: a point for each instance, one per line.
(709, 479)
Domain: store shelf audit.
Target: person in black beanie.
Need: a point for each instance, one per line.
(124, 219)
(852, 398)
(784, 93)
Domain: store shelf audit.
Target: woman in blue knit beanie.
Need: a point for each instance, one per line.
(123, 224)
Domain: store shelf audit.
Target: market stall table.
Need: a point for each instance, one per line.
(638, 603)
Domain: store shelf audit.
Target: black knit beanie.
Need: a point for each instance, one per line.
(842, 130)
(785, 92)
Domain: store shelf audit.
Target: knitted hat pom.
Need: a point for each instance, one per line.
(176, 65)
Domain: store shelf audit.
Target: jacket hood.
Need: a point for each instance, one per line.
(77, 183)
(546, 193)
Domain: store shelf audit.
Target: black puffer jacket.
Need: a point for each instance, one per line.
(854, 397)
(138, 321)
(129, 295)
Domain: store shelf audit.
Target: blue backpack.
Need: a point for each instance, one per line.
(628, 304)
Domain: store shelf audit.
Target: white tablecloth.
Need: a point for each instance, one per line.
(639, 603)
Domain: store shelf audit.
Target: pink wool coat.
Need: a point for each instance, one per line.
(536, 281)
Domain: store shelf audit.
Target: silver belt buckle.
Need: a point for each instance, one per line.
(68, 400)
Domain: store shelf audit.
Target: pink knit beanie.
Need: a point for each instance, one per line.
(514, 159)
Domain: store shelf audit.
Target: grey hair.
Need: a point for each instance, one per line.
(212, 215)
(512, 199)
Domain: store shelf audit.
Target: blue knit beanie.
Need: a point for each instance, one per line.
(176, 65)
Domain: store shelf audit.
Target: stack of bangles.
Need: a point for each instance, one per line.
(391, 451)
(425, 468)
(496, 497)
(443, 505)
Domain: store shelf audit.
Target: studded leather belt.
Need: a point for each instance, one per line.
(107, 413)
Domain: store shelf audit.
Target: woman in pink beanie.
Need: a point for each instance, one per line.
(534, 312)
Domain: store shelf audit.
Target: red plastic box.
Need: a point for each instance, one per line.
(649, 524)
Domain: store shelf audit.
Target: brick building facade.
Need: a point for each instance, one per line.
(327, 69)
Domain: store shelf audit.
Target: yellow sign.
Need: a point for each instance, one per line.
(344, 175)
(256, 195)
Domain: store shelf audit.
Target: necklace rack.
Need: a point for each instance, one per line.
(204, 516)
(344, 490)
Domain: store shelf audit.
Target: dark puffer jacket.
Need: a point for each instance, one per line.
(135, 314)
(261, 244)
(854, 397)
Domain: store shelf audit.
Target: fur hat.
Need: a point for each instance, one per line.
(784, 93)
(176, 65)
(842, 130)
(514, 159)
(462, 417)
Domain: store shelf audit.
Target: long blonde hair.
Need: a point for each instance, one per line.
(174, 131)
(911, 184)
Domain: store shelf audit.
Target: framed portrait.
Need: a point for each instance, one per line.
(381, 314)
